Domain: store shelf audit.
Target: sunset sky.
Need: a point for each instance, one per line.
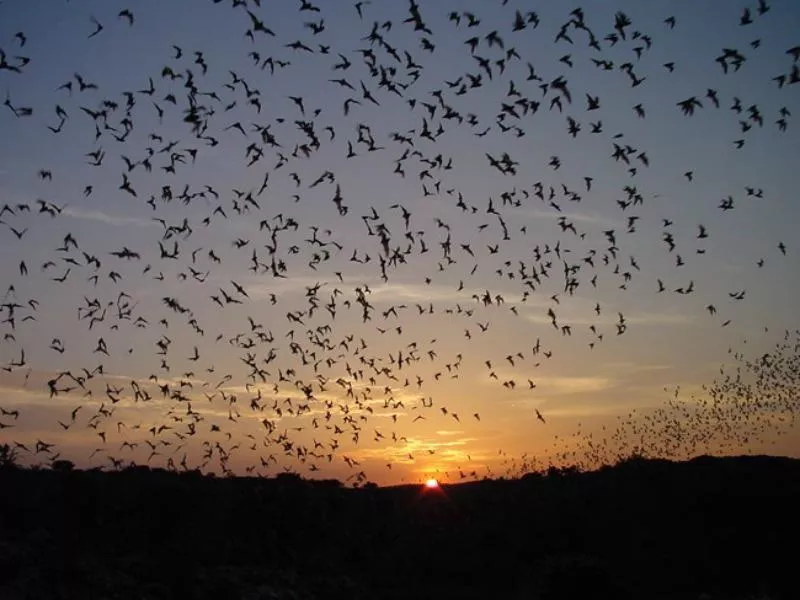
(462, 353)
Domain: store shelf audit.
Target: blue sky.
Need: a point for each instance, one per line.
(670, 340)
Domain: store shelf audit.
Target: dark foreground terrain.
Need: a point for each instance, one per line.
(726, 528)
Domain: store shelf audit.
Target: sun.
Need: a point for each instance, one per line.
(432, 484)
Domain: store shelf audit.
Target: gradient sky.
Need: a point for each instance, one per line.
(586, 387)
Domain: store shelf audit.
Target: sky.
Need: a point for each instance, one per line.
(228, 309)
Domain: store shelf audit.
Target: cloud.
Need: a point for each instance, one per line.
(569, 216)
(96, 215)
(574, 385)
(386, 293)
(418, 448)
(257, 289)
(633, 367)
(420, 293)
(659, 319)
(433, 293)
(593, 409)
(547, 386)
(643, 318)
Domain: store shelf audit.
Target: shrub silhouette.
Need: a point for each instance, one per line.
(63, 465)
(8, 457)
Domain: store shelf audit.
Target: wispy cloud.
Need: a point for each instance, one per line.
(580, 217)
(659, 319)
(585, 410)
(258, 289)
(97, 215)
(419, 448)
(419, 293)
(548, 386)
(642, 318)
(385, 293)
(629, 367)
(425, 294)
(574, 385)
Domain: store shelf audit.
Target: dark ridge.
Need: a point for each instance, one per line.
(641, 529)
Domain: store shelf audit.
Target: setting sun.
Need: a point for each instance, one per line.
(432, 484)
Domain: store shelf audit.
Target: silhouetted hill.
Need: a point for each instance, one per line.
(641, 529)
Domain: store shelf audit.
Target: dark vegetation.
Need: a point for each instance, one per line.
(723, 527)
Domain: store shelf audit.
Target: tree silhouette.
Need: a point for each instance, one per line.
(8, 457)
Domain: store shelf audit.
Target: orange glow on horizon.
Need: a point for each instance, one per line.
(432, 484)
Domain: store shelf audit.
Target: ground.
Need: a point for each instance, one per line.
(641, 529)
